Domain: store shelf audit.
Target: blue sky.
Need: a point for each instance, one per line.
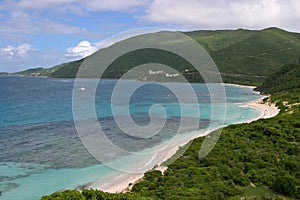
(43, 33)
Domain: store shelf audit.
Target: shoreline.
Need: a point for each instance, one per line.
(267, 109)
(123, 182)
(237, 85)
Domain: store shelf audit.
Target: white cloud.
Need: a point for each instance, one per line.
(114, 5)
(24, 56)
(38, 4)
(41, 16)
(22, 22)
(90, 5)
(83, 49)
(199, 14)
(15, 52)
(191, 14)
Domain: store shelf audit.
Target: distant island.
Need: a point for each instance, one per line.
(4, 74)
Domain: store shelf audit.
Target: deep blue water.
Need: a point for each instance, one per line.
(40, 148)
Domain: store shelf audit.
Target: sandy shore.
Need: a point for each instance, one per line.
(122, 181)
(267, 109)
(247, 86)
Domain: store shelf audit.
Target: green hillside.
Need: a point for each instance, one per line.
(242, 56)
(285, 80)
(39, 71)
(260, 160)
(67, 70)
(32, 72)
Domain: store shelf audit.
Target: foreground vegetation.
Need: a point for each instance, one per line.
(260, 160)
(242, 56)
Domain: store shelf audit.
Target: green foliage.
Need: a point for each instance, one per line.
(286, 79)
(38, 71)
(261, 193)
(259, 160)
(65, 195)
(67, 70)
(254, 54)
(90, 195)
(134, 58)
(242, 56)
(263, 153)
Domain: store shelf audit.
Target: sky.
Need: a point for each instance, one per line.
(44, 33)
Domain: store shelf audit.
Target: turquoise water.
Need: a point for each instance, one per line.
(40, 149)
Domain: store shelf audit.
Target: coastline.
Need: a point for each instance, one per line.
(237, 85)
(267, 109)
(125, 181)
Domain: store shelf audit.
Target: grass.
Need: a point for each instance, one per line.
(262, 191)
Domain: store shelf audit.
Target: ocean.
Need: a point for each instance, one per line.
(41, 151)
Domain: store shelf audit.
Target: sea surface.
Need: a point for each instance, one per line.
(41, 151)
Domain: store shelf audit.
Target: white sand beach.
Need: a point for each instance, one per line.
(267, 109)
(124, 181)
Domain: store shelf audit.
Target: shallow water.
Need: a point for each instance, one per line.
(40, 149)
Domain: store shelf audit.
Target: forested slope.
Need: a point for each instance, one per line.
(242, 56)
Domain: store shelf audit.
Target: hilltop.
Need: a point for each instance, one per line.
(39, 71)
(242, 56)
(245, 56)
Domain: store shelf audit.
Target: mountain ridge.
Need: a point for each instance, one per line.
(242, 56)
